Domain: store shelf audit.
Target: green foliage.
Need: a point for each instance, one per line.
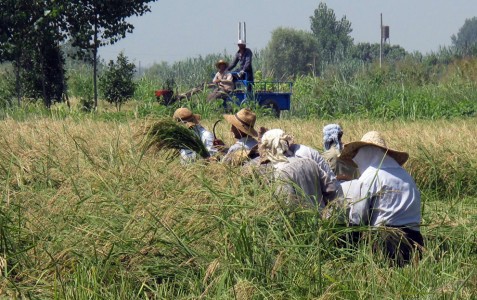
(117, 82)
(369, 53)
(406, 90)
(80, 82)
(291, 52)
(187, 73)
(466, 39)
(30, 36)
(333, 35)
(7, 88)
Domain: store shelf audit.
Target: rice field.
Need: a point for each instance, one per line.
(84, 214)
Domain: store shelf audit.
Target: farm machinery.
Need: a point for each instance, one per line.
(275, 95)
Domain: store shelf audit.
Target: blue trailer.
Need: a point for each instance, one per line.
(275, 95)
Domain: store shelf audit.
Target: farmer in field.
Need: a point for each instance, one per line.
(385, 196)
(244, 57)
(223, 81)
(191, 121)
(344, 169)
(304, 182)
(242, 127)
(329, 185)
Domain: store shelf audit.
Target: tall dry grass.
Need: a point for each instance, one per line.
(86, 214)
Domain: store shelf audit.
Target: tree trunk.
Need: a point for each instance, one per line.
(46, 99)
(17, 80)
(95, 62)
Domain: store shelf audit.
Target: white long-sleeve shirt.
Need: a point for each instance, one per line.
(384, 194)
(301, 179)
(328, 183)
(206, 137)
(245, 143)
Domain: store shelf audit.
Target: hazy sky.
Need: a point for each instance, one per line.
(178, 29)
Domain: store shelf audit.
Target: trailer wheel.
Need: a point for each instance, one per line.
(272, 104)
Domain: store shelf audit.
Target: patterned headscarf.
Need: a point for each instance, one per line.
(332, 134)
(274, 145)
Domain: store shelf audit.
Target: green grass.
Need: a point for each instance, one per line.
(84, 215)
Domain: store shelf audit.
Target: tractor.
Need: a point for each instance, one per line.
(275, 95)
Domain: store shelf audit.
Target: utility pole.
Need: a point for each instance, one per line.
(381, 43)
(384, 36)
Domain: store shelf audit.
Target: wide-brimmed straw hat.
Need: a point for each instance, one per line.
(373, 138)
(221, 62)
(243, 120)
(185, 116)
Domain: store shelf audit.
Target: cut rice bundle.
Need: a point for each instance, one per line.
(168, 135)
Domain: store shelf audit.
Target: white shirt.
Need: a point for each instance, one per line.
(207, 139)
(245, 143)
(384, 194)
(300, 181)
(328, 183)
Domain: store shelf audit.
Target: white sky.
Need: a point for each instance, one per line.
(179, 29)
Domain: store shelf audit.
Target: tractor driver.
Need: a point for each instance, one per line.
(244, 56)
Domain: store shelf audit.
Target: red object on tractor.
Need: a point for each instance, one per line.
(160, 93)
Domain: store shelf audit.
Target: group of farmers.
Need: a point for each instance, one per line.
(364, 177)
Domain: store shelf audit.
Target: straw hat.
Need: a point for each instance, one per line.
(185, 116)
(221, 62)
(243, 120)
(373, 138)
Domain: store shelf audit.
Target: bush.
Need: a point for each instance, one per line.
(117, 82)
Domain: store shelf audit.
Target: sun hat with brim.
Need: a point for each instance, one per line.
(373, 138)
(243, 120)
(184, 115)
(221, 62)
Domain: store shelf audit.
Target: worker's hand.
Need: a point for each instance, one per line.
(218, 142)
(344, 177)
(261, 132)
(241, 74)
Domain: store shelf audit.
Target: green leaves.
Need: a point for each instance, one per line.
(291, 52)
(466, 38)
(117, 81)
(333, 35)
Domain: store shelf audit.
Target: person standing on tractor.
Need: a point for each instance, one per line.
(223, 80)
(244, 56)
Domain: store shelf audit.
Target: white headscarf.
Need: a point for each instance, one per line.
(332, 136)
(274, 145)
(371, 156)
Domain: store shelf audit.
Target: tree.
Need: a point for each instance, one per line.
(29, 37)
(370, 52)
(92, 23)
(291, 52)
(117, 81)
(332, 35)
(466, 39)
